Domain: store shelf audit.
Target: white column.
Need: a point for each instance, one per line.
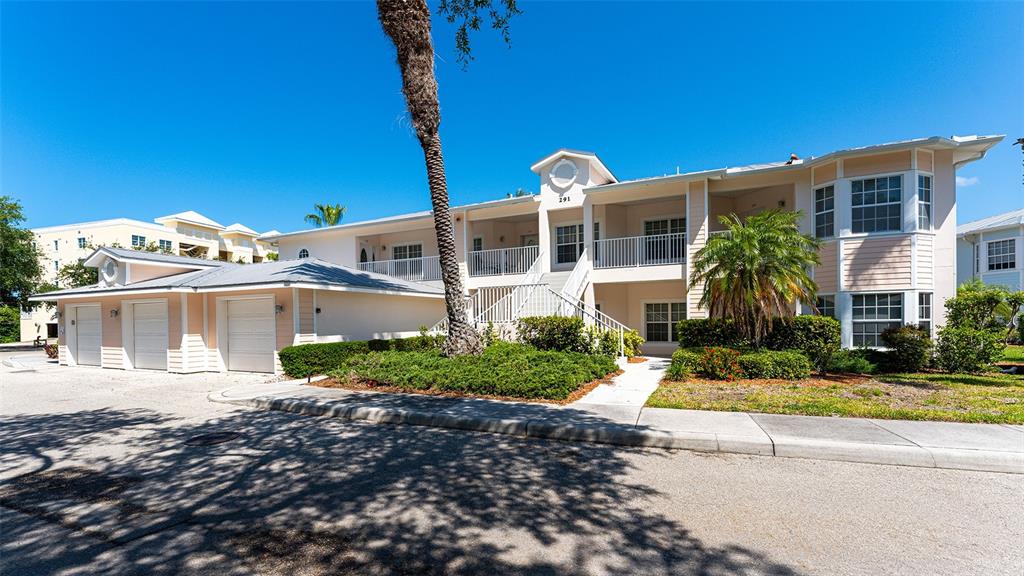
(544, 239)
(844, 310)
(588, 228)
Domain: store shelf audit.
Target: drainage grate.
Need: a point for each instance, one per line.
(211, 438)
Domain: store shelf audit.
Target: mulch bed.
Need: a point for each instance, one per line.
(371, 386)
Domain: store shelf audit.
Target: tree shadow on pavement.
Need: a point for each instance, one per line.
(318, 496)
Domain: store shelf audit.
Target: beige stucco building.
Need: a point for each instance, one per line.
(186, 233)
(886, 215)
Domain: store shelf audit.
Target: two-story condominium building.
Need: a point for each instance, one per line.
(991, 250)
(886, 215)
(186, 234)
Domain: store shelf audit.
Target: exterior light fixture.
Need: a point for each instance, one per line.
(317, 309)
(278, 308)
(114, 313)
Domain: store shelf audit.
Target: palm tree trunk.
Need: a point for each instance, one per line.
(407, 23)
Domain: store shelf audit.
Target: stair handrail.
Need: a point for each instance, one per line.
(519, 296)
(577, 280)
(600, 318)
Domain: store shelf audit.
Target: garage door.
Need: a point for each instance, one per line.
(87, 335)
(149, 323)
(251, 335)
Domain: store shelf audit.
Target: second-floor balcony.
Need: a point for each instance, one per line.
(415, 269)
(502, 261)
(651, 250)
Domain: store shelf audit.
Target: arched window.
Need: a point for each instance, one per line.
(303, 253)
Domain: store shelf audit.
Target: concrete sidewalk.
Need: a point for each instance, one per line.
(987, 447)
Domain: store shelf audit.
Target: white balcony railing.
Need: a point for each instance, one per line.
(416, 269)
(640, 251)
(502, 261)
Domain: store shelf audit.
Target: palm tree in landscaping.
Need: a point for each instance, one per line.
(325, 214)
(757, 272)
(407, 24)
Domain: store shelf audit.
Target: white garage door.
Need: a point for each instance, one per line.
(251, 335)
(87, 335)
(149, 323)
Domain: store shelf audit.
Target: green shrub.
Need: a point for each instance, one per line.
(968, 349)
(10, 324)
(632, 342)
(853, 361)
(708, 332)
(975, 306)
(816, 336)
(561, 333)
(720, 364)
(909, 347)
(684, 364)
(503, 369)
(312, 359)
(786, 364)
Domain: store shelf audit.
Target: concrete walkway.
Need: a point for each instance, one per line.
(615, 414)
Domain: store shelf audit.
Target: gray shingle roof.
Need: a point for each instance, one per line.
(305, 271)
(129, 254)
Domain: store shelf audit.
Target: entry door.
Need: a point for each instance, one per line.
(251, 335)
(87, 335)
(149, 323)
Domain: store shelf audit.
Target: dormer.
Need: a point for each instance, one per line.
(565, 173)
(121, 267)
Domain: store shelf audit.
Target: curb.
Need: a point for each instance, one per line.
(628, 435)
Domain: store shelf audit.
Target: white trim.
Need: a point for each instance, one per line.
(298, 253)
(222, 325)
(315, 330)
(182, 335)
(128, 329)
(235, 288)
(296, 317)
(71, 336)
(671, 325)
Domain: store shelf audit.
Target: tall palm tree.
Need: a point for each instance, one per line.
(758, 271)
(407, 24)
(326, 214)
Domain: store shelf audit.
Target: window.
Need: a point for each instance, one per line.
(1002, 255)
(568, 243)
(924, 311)
(56, 265)
(924, 202)
(877, 204)
(660, 319)
(303, 253)
(665, 248)
(873, 313)
(825, 212)
(81, 242)
(138, 241)
(478, 244)
(56, 244)
(826, 306)
(166, 245)
(407, 251)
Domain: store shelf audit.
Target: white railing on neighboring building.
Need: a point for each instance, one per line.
(416, 269)
(640, 251)
(502, 261)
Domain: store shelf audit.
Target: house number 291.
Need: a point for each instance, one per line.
(564, 199)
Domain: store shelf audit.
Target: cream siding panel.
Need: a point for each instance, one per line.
(877, 263)
(825, 173)
(175, 358)
(697, 232)
(925, 261)
(825, 274)
(925, 160)
(111, 350)
(112, 357)
(305, 318)
(876, 164)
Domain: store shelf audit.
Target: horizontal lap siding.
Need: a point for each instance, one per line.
(825, 173)
(697, 225)
(306, 334)
(876, 164)
(871, 264)
(825, 274)
(925, 261)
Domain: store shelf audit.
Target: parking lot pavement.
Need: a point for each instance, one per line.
(109, 482)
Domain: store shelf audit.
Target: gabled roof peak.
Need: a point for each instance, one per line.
(192, 217)
(570, 153)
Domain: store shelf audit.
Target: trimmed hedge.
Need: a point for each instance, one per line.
(570, 334)
(503, 369)
(816, 336)
(708, 332)
(910, 348)
(860, 361)
(788, 365)
(313, 359)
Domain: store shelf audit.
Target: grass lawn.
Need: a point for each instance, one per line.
(1013, 355)
(994, 398)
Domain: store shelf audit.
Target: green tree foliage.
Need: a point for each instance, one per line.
(10, 324)
(757, 270)
(326, 215)
(20, 272)
(76, 275)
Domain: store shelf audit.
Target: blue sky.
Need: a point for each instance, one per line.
(254, 111)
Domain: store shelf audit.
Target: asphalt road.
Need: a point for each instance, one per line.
(98, 477)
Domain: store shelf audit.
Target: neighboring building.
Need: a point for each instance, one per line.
(188, 233)
(164, 312)
(990, 249)
(617, 252)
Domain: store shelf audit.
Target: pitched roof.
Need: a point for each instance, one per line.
(156, 257)
(309, 271)
(239, 227)
(192, 217)
(1004, 220)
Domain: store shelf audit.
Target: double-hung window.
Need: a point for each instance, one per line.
(478, 244)
(411, 255)
(878, 204)
(924, 202)
(138, 241)
(924, 311)
(1002, 255)
(166, 245)
(81, 242)
(825, 211)
(660, 319)
(407, 251)
(664, 241)
(826, 305)
(872, 314)
(568, 243)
